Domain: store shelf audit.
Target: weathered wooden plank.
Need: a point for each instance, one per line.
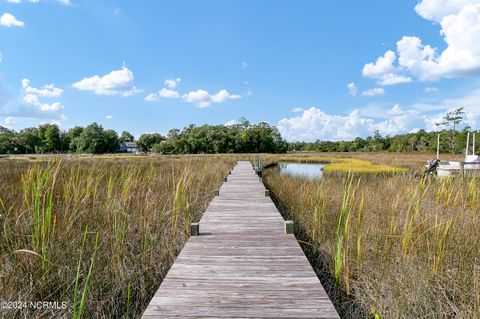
(242, 265)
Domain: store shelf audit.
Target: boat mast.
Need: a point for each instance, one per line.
(473, 151)
(468, 142)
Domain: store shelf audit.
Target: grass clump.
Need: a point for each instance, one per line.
(99, 235)
(392, 245)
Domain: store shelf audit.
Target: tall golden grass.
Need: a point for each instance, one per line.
(98, 234)
(398, 245)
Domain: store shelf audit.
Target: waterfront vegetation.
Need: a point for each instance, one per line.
(100, 232)
(389, 245)
(344, 165)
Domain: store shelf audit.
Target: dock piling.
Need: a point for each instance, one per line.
(194, 229)
(289, 227)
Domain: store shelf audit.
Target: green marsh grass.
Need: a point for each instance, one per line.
(98, 233)
(397, 245)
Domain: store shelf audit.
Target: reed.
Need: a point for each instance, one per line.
(97, 233)
(399, 245)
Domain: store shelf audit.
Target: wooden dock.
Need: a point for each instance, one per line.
(242, 265)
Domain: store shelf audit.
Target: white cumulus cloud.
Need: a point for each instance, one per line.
(9, 20)
(313, 123)
(384, 71)
(32, 99)
(31, 105)
(165, 93)
(204, 99)
(373, 92)
(151, 97)
(459, 22)
(352, 89)
(168, 93)
(48, 90)
(172, 83)
(201, 98)
(108, 117)
(117, 82)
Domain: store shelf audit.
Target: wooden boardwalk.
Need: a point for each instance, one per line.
(242, 265)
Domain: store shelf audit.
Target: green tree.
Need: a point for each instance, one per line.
(7, 140)
(73, 136)
(165, 147)
(28, 140)
(452, 118)
(49, 135)
(111, 141)
(93, 139)
(126, 137)
(146, 141)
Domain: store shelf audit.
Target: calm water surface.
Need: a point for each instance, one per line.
(313, 171)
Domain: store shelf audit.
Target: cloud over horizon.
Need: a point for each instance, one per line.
(117, 82)
(31, 104)
(204, 99)
(314, 123)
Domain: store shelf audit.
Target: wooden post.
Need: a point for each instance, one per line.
(289, 227)
(217, 193)
(194, 229)
(462, 169)
(438, 145)
(267, 193)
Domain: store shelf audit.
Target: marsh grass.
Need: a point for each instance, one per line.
(345, 165)
(99, 234)
(397, 245)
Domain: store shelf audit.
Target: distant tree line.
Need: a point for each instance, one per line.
(244, 137)
(420, 141)
(48, 138)
(450, 140)
(239, 138)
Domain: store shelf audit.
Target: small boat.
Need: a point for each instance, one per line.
(470, 166)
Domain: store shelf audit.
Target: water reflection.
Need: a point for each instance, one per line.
(304, 170)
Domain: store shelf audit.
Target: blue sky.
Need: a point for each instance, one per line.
(316, 69)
